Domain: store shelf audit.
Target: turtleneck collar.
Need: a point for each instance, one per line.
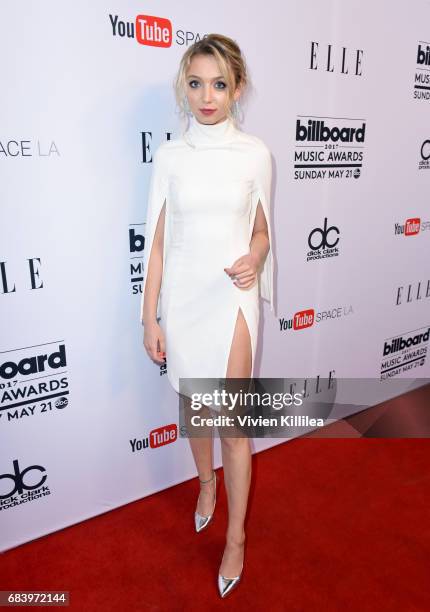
(207, 134)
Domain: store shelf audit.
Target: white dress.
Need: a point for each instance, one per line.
(211, 180)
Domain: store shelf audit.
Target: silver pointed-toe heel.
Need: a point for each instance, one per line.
(226, 585)
(200, 521)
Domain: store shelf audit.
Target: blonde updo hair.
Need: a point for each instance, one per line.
(231, 63)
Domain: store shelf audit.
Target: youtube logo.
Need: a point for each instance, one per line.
(146, 30)
(153, 31)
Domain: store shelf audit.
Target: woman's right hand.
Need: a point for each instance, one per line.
(153, 341)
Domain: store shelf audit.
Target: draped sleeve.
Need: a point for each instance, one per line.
(157, 195)
(261, 192)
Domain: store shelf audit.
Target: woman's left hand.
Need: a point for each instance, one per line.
(244, 271)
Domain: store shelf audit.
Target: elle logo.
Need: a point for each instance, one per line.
(153, 31)
(304, 318)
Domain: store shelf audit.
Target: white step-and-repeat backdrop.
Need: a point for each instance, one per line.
(342, 98)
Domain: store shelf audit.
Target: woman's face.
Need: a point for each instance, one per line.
(207, 89)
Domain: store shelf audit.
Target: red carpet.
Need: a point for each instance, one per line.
(332, 524)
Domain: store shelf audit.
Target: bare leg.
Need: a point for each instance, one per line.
(236, 457)
(202, 449)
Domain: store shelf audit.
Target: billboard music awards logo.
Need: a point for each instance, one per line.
(307, 318)
(152, 31)
(157, 437)
(27, 148)
(421, 89)
(328, 148)
(136, 241)
(424, 163)
(22, 485)
(33, 380)
(404, 352)
(322, 242)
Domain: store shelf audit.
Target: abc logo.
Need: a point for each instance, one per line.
(18, 480)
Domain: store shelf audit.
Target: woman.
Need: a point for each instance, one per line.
(207, 258)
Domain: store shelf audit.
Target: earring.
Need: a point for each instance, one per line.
(187, 106)
(235, 109)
